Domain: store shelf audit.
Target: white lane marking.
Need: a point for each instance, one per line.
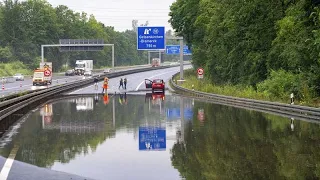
(84, 88)
(153, 77)
(8, 164)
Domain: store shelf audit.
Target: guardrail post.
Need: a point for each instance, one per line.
(292, 98)
(292, 124)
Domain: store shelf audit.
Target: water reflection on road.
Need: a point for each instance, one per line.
(154, 136)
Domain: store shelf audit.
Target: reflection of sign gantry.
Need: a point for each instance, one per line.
(76, 126)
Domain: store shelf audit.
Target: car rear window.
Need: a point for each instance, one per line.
(157, 81)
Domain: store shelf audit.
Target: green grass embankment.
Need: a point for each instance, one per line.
(9, 69)
(205, 85)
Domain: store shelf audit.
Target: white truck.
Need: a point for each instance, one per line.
(83, 66)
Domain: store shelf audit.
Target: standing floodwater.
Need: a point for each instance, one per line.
(164, 137)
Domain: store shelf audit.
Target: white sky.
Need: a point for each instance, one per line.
(120, 13)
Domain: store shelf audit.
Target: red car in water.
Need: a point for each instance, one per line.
(155, 85)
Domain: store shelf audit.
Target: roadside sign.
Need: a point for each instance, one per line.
(200, 73)
(150, 38)
(46, 65)
(174, 113)
(152, 138)
(47, 72)
(86, 44)
(175, 50)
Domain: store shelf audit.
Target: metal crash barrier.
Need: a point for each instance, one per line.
(286, 110)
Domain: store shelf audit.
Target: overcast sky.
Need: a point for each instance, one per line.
(120, 13)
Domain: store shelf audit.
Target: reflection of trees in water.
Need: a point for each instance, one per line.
(42, 147)
(239, 144)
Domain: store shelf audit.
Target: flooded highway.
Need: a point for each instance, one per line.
(152, 136)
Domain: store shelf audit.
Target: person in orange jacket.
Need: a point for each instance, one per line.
(105, 85)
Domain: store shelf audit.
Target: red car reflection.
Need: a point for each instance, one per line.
(155, 97)
(158, 96)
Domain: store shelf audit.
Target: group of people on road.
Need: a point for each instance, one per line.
(123, 82)
(105, 85)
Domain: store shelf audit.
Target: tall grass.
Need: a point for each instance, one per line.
(9, 69)
(242, 91)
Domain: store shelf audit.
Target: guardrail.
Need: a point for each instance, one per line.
(12, 105)
(303, 112)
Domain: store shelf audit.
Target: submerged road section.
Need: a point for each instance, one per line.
(152, 136)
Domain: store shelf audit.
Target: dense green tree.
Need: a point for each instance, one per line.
(242, 42)
(26, 25)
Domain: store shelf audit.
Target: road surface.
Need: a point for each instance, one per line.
(135, 81)
(20, 86)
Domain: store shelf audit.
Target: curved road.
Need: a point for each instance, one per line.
(135, 81)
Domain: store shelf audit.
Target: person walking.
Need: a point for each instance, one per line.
(125, 83)
(105, 85)
(95, 83)
(121, 83)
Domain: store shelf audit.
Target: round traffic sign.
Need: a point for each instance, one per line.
(47, 73)
(200, 71)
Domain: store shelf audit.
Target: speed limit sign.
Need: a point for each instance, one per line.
(47, 72)
(200, 73)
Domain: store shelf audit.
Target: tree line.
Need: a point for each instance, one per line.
(270, 45)
(26, 25)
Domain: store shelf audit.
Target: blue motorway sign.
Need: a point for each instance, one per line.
(152, 138)
(150, 38)
(174, 113)
(175, 49)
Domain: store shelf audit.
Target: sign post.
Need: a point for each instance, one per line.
(200, 73)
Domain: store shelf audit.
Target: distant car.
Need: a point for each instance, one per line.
(155, 85)
(88, 73)
(70, 72)
(18, 77)
(107, 71)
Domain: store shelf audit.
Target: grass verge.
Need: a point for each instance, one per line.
(9, 69)
(242, 91)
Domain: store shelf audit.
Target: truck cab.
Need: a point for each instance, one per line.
(155, 62)
(83, 66)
